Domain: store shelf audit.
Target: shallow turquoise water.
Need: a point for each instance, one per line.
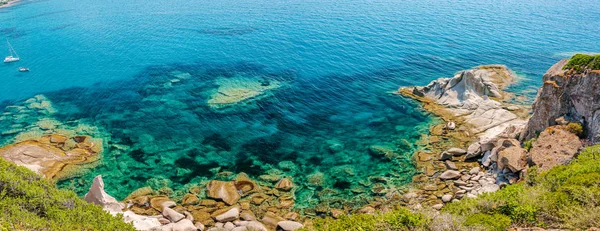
(106, 63)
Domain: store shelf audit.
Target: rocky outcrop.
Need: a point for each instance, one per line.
(53, 156)
(474, 96)
(553, 147)
(98, 196)
(574, 95)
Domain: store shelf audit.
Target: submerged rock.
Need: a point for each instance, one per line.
(237, 90)
(225, 191)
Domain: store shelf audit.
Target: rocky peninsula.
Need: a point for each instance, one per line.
(484, 142)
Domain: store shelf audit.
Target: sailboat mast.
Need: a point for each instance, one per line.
(11, 50)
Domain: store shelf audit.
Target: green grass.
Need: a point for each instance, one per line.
(400, 219)
(578, 61)
(28, 202)
(565, 197)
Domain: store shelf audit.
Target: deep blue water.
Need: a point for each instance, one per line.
(106, 63)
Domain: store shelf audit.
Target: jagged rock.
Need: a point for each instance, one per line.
(199, 226)
(98, 196)
(141, 223)
(271, 219)
(256, 226)
(247, 216)
(284, 184)
(289, 225)
(568, 94)
(161, 202)
(184, 225)
(490, 188)
(554, 147)
(445, 156)
(460, 183)
(450, 165)
(229, 226)
(437, 206)
(228, 214)
(450, 174)
(456, 151)
(240, 228)
(446, 198)
(409, 196)
(512, 158)
(474, 170)
(172, 215)
(189, 199)
(225, 191)
(474, 150)
(244, 184)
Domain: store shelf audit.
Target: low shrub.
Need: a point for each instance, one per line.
(399, 219)
(497, 222)
(575, 128)
(28, 202)
(579, 61)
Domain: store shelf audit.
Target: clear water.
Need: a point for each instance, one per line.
(109, 64)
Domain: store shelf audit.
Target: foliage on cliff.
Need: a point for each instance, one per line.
(564, 197)
(579, 61)
(28, 202)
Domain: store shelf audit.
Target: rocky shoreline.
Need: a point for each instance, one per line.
(475, 114)
(482, 143)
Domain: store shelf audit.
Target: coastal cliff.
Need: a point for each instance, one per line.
(570, 93)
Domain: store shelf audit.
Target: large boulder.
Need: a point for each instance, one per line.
(142, 223)
(289, 225)
(570, 94)
(554, 147)
(98, 196)
(450, 174)
(225, 191)
(513, 158)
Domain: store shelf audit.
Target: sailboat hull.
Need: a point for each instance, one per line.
(10, 59)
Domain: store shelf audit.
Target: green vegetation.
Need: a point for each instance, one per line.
(28, 202)
(529, 144)
(565, 197)
(400, 219)
(575, 128)
(578, 61)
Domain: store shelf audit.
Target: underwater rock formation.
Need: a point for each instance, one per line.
(572, 94)
(52, 156)
(240, 90)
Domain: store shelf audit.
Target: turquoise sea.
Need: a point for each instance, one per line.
(141, 75)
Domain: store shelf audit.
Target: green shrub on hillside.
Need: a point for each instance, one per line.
(578, 61)
(563, 197)
(28, 202)
(575, 128)
(400, 219)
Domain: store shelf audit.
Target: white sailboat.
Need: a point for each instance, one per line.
(13, 57)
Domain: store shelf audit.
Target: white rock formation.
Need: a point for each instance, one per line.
(98, 196)
(470, 94)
